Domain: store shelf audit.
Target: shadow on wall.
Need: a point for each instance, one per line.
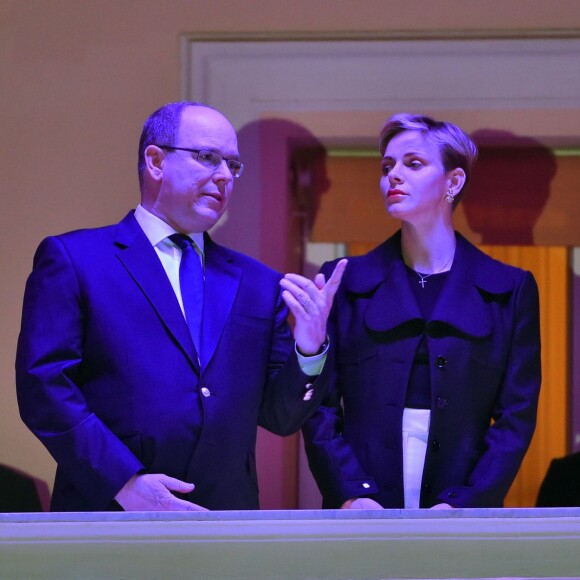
(308, 183)
(509, 187)
(275, 201)
(20, 492)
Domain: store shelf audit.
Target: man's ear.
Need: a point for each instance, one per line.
(154, 157)
(457, 179)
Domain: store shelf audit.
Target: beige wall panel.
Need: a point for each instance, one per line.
(78, 80)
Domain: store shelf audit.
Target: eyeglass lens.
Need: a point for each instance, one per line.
(213, 159)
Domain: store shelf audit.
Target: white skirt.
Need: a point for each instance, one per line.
(415, 435)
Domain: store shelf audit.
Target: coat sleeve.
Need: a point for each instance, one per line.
(49, 381)
(332, 461)
(514, 414)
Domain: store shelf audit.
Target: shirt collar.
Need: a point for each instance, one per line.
(157, 230)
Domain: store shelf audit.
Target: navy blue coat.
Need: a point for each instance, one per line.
(109, 380)
(484, 348)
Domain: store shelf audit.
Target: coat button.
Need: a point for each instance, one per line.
(441, 403)
(205, 392)
(435, 445)
(308, 395)
(440, 362)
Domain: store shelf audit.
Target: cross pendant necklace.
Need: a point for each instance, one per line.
(423, 277)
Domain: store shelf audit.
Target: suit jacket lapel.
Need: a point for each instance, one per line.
(222, 280)
(142, 263)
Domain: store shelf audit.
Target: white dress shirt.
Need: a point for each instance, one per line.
(158, 231)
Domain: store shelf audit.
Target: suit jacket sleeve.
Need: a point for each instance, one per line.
(514, 414)
(290, 396)
(49, 380)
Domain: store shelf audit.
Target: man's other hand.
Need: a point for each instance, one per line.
(152, 492)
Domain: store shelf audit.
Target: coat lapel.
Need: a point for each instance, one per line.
(393, 303)
(382, 275)
(222, 280)
(462, 304)
(143, 265)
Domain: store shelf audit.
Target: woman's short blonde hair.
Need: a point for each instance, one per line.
(456, 148)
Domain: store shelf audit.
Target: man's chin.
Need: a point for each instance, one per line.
(208, 220)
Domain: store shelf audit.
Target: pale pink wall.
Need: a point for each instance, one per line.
(77, 79)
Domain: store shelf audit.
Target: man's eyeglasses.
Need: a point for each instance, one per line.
(211, 159)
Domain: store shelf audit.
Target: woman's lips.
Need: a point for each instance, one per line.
(393, 192)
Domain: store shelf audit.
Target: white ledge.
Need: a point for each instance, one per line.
(300, 544)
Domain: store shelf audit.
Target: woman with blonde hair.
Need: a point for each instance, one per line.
(437, 367)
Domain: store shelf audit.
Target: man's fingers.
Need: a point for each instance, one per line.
(335, 278)
(193, 507)
(296, 307)
(170, 503)
(183, 505)
(174, 484)
(300, 291)
(173, 503)
(320, 281)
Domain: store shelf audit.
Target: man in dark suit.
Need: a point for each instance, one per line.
(138, 410)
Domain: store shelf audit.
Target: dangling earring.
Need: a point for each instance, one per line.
(449, 197)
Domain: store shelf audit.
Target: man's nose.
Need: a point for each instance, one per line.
(223, 172)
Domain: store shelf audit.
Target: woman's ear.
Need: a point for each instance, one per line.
(154, 157)
(457, 179)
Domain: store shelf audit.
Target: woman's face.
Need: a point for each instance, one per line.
(414, 181)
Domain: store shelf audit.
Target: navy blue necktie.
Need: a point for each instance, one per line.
(192, 285)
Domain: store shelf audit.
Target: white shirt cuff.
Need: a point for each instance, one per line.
(312, 365)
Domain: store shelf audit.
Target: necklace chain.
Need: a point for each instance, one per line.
(423, 277)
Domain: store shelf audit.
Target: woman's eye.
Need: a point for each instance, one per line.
(385, 169)
(415, 164)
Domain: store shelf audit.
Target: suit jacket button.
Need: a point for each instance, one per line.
(308, 395)
(435, 445)
(205, 392)
(440, 362)
(441, 403)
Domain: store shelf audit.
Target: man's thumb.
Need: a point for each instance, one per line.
(178, 485)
